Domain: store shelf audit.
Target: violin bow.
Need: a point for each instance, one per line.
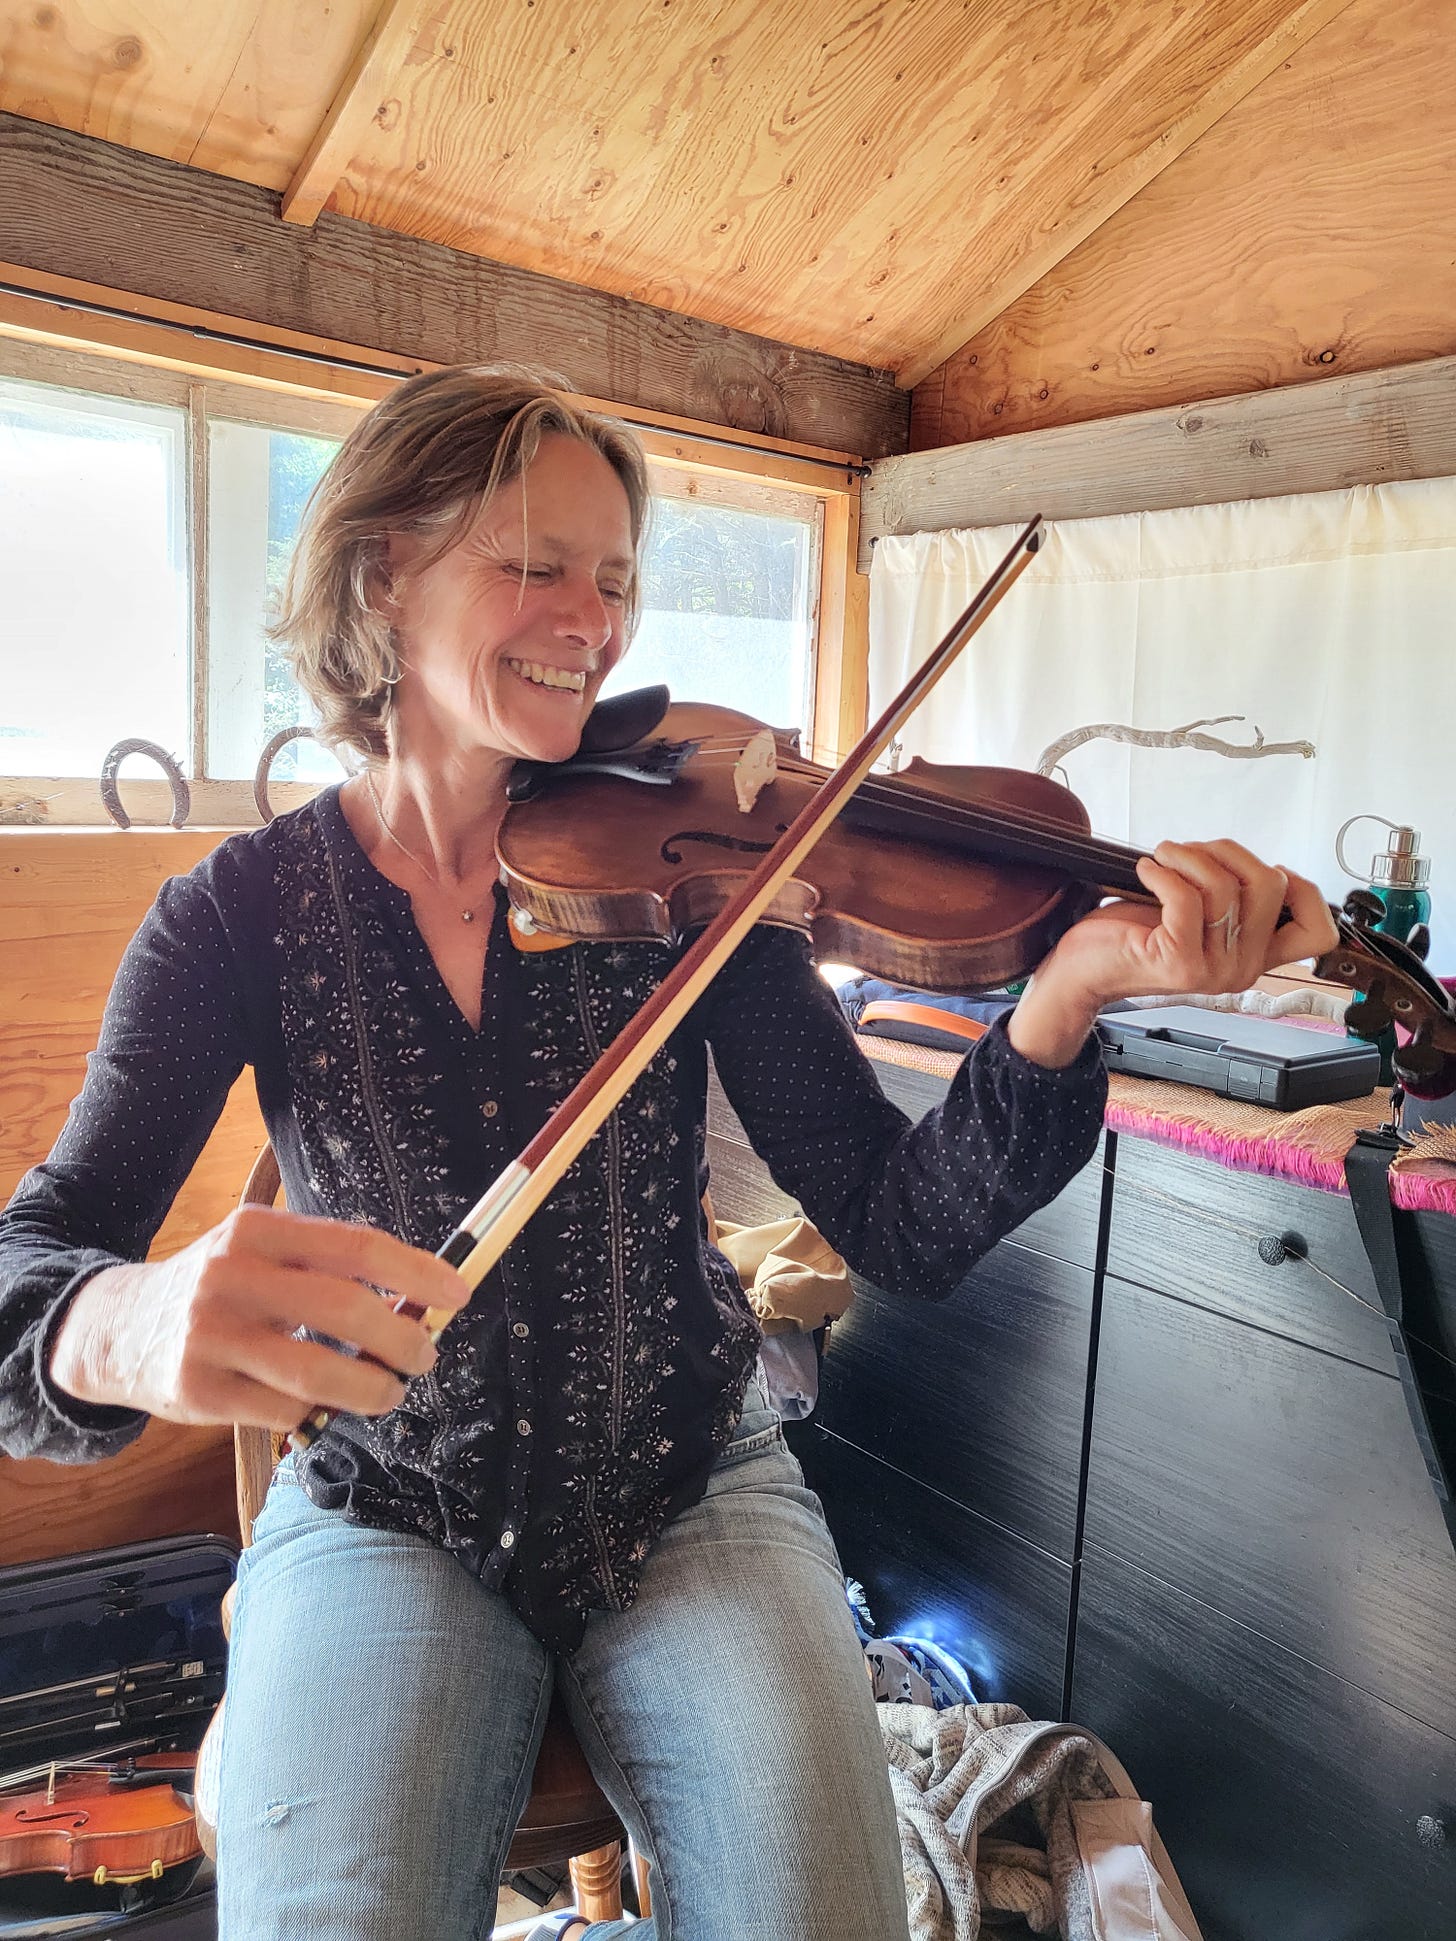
(505, 1207)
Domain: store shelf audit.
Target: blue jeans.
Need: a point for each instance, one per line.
(384, 1712)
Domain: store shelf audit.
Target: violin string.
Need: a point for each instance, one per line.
(1095, 852)
(1069, 845)
(1095, 859)
(26, 1775)
(896, 792)
(926, 802)
(899, 793)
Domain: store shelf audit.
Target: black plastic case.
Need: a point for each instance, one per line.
(1283, 1066)
(97, 1651)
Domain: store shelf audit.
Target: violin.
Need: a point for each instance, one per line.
(941, 878)
(109, 1823)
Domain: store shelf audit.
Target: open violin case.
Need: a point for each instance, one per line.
(114, 1655)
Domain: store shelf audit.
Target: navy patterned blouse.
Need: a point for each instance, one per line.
(581, 1398)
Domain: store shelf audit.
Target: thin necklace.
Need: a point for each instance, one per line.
(466, 916)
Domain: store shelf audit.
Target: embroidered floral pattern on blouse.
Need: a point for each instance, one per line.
(375, 1149)
(362, 1086)
(612, 1233)
(361, 1080)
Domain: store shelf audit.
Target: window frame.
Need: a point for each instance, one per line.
(679, 465)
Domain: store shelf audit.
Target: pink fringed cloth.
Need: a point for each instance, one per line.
(1308, 1146)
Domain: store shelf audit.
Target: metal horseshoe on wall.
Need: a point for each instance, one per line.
(266, 760)
(110, 797)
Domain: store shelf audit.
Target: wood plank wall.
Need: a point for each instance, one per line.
(70, 900)
(1307, 234)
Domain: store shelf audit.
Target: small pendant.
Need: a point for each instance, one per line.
(467, 916)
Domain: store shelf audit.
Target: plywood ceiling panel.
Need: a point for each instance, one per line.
(1311, 234)
(234, 86)
(277, 91)
(826, 172)
(873, 178)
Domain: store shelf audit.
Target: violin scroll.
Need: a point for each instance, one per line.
(1395, 989)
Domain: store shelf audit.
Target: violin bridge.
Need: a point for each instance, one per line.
(754, 769)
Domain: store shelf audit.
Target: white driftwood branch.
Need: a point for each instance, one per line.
(1185, 737)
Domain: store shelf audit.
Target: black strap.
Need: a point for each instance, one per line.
(1367, 1166)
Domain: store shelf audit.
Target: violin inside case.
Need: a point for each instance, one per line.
(99, 1652)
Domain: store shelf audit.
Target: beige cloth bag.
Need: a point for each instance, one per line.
(1135, 1894)
(791, 1274)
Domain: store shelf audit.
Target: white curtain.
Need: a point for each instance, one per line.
(1326, 618)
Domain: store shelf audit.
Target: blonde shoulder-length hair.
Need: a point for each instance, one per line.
(423, 461)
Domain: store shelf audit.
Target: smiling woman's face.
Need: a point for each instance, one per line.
(506, 640)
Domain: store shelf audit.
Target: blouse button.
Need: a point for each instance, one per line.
(490, 1108)
(523, 1427)
(520, 1330)
(507, 1539)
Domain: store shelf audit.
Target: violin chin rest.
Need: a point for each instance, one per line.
(622, 720)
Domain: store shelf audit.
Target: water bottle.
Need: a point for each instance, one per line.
(1398, 876)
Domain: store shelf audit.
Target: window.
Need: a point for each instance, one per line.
(93, 562)
(146, 525)
(258, 483)
(727, 603)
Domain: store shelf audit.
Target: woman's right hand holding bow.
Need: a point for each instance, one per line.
(210, 1334)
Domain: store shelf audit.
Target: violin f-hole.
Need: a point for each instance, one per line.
(716, 840)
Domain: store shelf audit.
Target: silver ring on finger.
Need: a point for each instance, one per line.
(1227, 927)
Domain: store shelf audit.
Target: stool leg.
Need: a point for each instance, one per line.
(596, 1881)
(641, 1870)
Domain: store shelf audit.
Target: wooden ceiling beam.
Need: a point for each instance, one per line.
(1371, 428)
(1076, 222)
(71, 206)
(380, 56)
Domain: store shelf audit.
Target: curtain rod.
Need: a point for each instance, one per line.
(240, 342)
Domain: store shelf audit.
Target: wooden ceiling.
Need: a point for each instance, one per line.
(878, 179)
(1309, 235)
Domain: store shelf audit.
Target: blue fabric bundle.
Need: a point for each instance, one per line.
(906, 1670)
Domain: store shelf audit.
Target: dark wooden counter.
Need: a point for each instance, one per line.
(1135, 1476)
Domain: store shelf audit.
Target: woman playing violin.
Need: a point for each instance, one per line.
(583, 1485)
